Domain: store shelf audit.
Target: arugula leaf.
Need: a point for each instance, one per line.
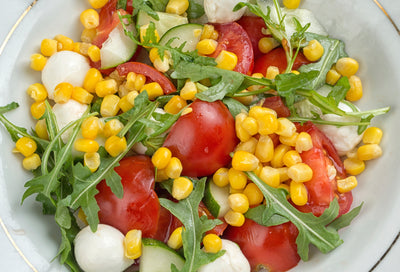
(9, 107)
(195, 10)
(345, 219)
(340, 90)
(146, 7)
(258, 215)
(234, 106)
(186, 211)
(121, 4)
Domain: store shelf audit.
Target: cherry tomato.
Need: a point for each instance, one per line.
(233, 38)
(139, 207)
(253, 26)
(321, 189)
(273, 248)
(203, 138)
(277, 57)
(276, 103)
(150, 73)
(109, 19)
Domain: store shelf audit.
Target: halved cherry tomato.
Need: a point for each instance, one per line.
(139, 207)
(203, 138)
(253, 26)
(277, 57)
(233, 38)
(109, 19)
(150, 73)
(276, 103)
(272, 248)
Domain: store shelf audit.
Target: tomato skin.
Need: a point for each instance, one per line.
(277, 57)
(276, 103)
(108, 20)
(233, 38)
(273, 247)
(253, 26)
(203, 139)
(139, 207)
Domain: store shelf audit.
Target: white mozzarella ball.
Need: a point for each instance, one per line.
(64, 66)
(102, 251)
(233, 260)
(218, 11)
(66, 113)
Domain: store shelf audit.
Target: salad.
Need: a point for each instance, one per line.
(206, 135)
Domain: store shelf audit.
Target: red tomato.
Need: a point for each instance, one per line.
(273, 248)
(109, 19)
(322, 190)
(203, 139)
(233, 38)
(276, 103)
(150, 73)
(139, 207)
(277, 57)
(253, 26)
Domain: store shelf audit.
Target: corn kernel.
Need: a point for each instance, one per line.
(94, 53)
(174, 168)
(226, 60)
(38, 109)
(143, 30)
(106, 87)
(88, 35)
(112, 127)
(97, 4)
(241, 133)
(31, 162)
(265, 148)
(347, 184)
(38, 61)
(267, 124)
(63, 92)
(270, 176)
(81, 95)
(177, 6)
(291, 4)
(354, 166)
(235, 219)
(369, 152)
(356, 91)
(109, 106)
(258, 111)
(182, 187)
(250, 125)
(64, 42)
(266, 44)
(161, 175)
(212, 243)
(189, 90)
(347, 66)
(290, 141)
(153, 90)
(161, 157)
(86, 145)
(298, 193)
(253, 194)
(207, 32)
(124, 104)
(175, 105)
(272, 72)
(115, 145)
(82, 216)
(285, 127)
(41, 129)
(90, 18)
(91, 127)
(332, 77)
(220, 177)
(175, 240)
(248, 146)
(300, 172)
(37, 92)
(133, 244)
(313, 51)
(162, 65)
(244, 161)
(26, 146)
(245, 100)
(206, 46)
(372, 135)
(91, 160)
(237, 179)
(291, 157)
(279, 152)
(93, 76)
(238, 202)
(283, 174)
(48, 47)
(303, 142)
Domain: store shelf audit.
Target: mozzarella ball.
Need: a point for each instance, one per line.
(218, 11)
(102, 251)
(233, 260)
(66, 113)
(64, 66)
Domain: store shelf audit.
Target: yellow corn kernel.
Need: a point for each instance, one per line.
(161, 175)
(115, 145)
(249, 146)
(332, 77)
(283, 173)
(37, 92)
(41, 129)
(38, 61)
(81, 95)
(26, 146)
(143, 30)
(153, 54)
(93, 76)
(109, 106)
(133, 244)
(48, 47)
(235, 191)
(244, 161)
(298, 193)
(354, 166)
(226, 60)
(174, 168)
(86, 145)
(372, 135)
(207, 32)
(92, 161)
(64, 42)
(91, 127)
(38, 109)
(245, 100)
(161, 157)
(313, 51)
(162, 65)
(295, 72)
(303, 142)
(286, 188)
(130, 81)
(106, 87)
(285, 127)
(356, 91)
(291, 158)
(182, 187)
(175, 105)
(131, 96)
(94, 53)
(369, 152)
(347, 184)
(272, 72)
(266, 44)
(264, 149)
(241, 133)
(124, 104)
(63, 92)
(197, 33)
(220, 177)
(214, 35)
(291, 4)
(97, 4)
(279, 152)
(189, 90)
(175, 240)
(235, 219)
(238, 202)
(112, 127)
(300, 172)
(253, 194)
(82, 216)
(140, 80)
(89, 18)
(206, 46)
(153, 90)
(237, 179)
(250, 124)
(212, 243)
(88, 35)
(347, 66)
(267, 124)
(257, 75)
(31, 162)
(290, 141)
(270, 176)
(258, 111)
(177, 6)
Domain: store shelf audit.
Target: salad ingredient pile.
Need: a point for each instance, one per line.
(195, 136)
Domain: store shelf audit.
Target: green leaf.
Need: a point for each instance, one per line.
(9, 107)
(63, 217)
(186, 211)
(257, 214)
(234, 106)
(339, 91)
(195, 10)
(145, 6)
(121, 4)
(345, 219)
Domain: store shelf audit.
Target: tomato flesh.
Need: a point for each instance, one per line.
(276, 103)
(253, 26)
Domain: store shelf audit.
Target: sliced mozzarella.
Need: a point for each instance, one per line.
(218, 11)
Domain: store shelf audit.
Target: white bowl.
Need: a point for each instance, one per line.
(370, 38)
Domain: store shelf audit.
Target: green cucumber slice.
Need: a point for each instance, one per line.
(189, 33)
(216, 199)
(158, 257)
(166, 21)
